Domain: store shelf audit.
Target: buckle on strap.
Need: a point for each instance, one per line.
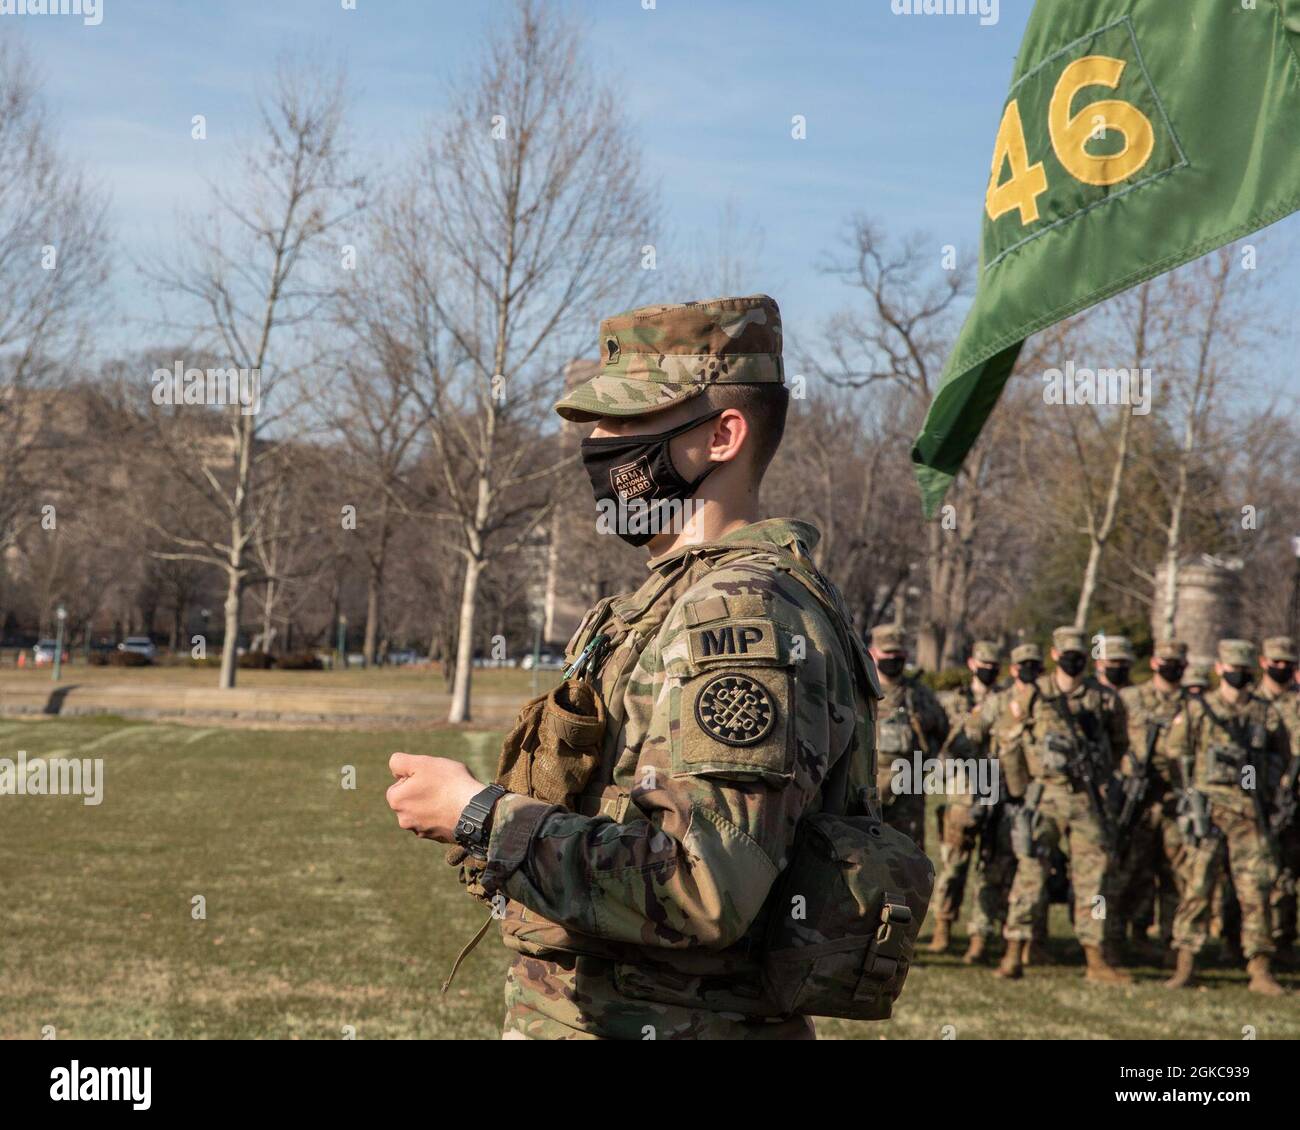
(886, 948)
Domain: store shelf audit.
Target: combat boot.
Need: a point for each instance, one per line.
(1011, 968)
(1185, 973)
(1261, 977)
(975, 950)
(942, 936)
(1100, 971)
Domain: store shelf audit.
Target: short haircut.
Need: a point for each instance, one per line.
(764, 407)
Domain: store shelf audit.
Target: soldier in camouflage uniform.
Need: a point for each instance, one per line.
(910, 721)
(1065, 717)
(1229, 742)
(1278, 686)
(729, 691)
(1150, 861)
(966, 822)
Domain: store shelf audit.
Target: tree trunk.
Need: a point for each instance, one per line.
(230, 646)
(372, 614)
(460, 706)
(1100, 535)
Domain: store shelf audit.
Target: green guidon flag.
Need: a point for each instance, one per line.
(1137, 135)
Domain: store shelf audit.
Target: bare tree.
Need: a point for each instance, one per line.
(53, 265)
(248, 280)
(899, 341)
(521, 222)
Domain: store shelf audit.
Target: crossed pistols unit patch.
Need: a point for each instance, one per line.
(735, 709)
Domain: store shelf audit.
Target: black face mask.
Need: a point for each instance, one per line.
(1028, 672)
(1073, 663)
(1237, 679)
(986, 675)
(1282, 673)
(1118, 676)
(1171, 672)
(633, 476)
(891, 666)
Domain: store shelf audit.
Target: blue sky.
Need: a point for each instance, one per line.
(901, 110)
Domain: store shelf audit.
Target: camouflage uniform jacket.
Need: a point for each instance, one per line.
(967, 737)
(1034, 725)
(1146, 704)
(1216, 737)
(909, 719)
(729, 694)
(1287, 705)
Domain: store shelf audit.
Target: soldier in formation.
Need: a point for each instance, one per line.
(1231, 745)
(972, 825)
(910, 722)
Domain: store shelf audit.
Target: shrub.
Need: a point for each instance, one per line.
(256, 661)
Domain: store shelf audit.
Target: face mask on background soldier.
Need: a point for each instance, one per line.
(1028, 672)
(1237, 677)
(986, 674)
(1281, 673)
(1171, 671)
(635, 476)
(1072, 663)
(891, 666)
(1117, 674)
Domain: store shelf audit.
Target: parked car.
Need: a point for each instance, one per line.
(43, 653)
(139, 645)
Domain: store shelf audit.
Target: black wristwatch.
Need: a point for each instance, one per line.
(475, 822)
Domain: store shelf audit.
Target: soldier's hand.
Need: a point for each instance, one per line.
(429, 794)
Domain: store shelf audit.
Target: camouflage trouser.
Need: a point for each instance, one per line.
(906, 812)
(1148, 869)
(1283, 896)
(1064, 816)
(580, 998)
(1252, 871)
(991, 884)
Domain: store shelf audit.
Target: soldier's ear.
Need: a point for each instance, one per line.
(730, 433)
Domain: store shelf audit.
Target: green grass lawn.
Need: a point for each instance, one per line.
(322, 915)
(488, 680)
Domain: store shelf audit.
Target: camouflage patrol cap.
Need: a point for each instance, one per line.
(1237, 653)
(1280, 648)
(985, 651)
(1069, 639)
(888, 637)
(657, 356)
(1027, 653)
(1116, 649)
(1170, 649)
(1199, 673)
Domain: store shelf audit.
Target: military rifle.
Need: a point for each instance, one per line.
(1084, 768)
(1129, 792)
(1284, 809)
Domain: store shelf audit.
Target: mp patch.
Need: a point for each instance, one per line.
(735, 709)
(732, 640)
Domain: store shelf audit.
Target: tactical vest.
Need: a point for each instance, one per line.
(1230, 743)
(866, 886)
(1057, 737)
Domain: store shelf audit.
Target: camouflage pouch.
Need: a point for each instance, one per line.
(555, 745)
(845, 918)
